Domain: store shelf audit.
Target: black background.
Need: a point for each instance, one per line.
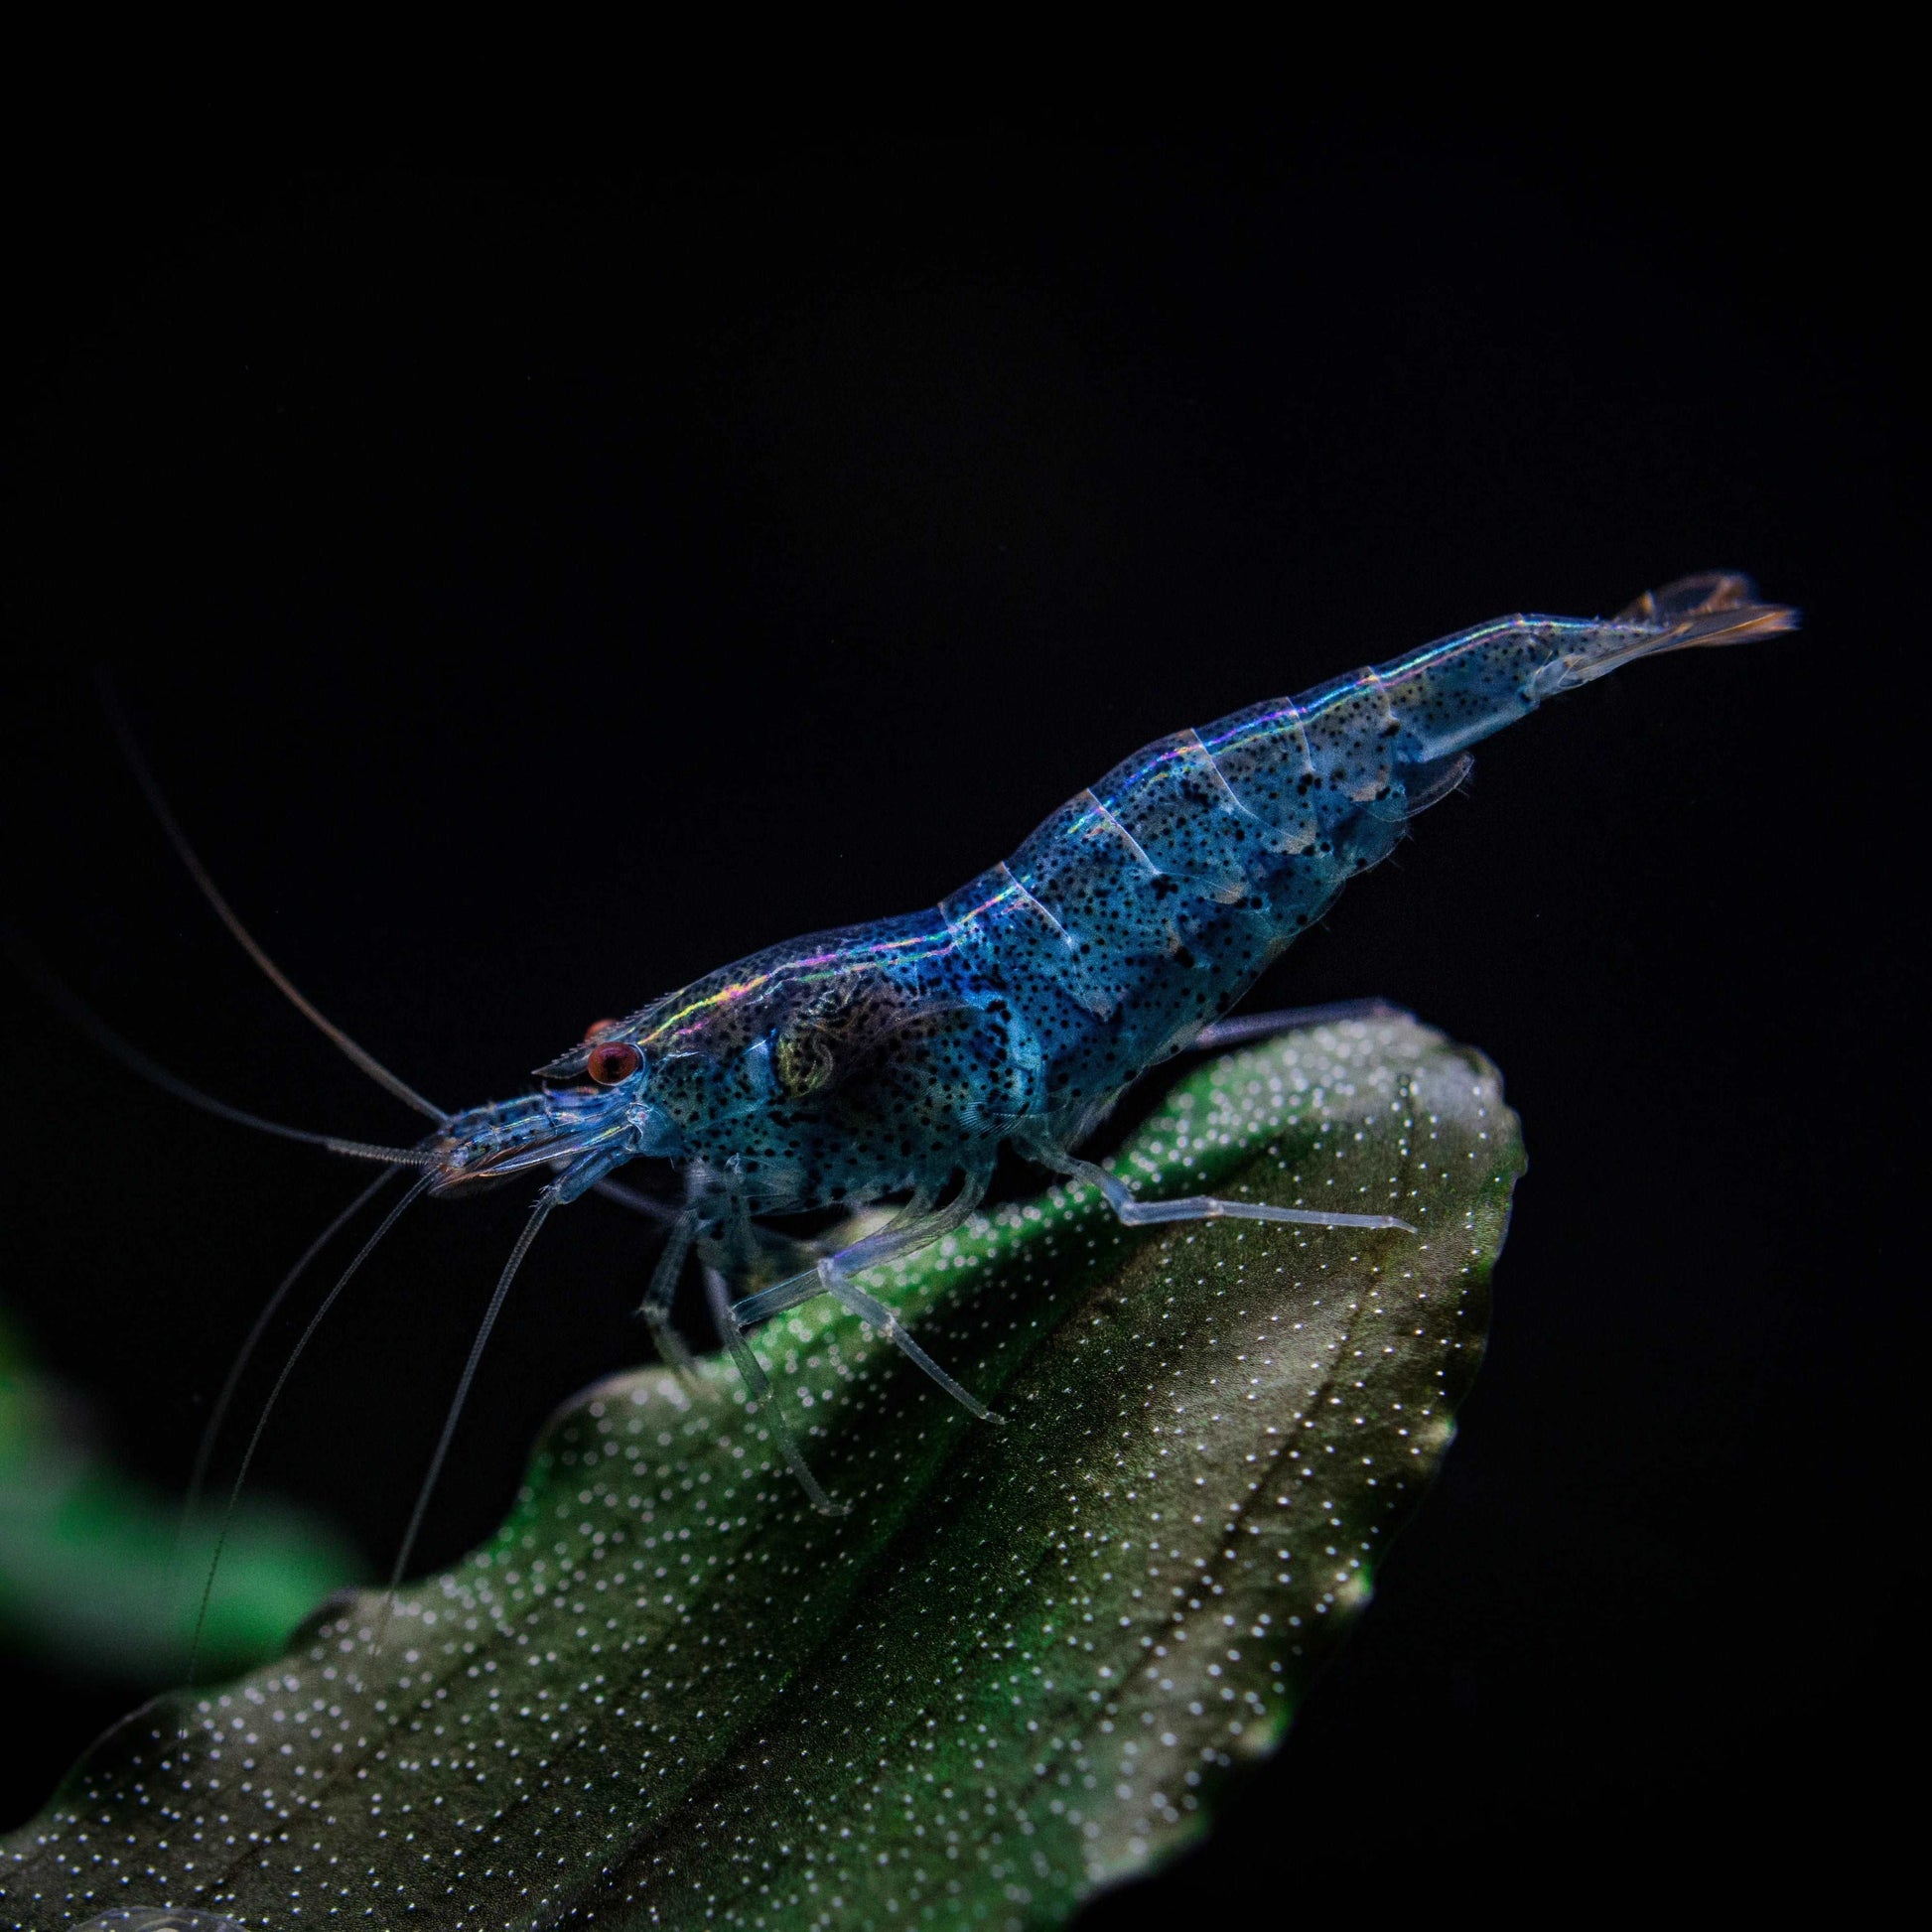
(536, 581)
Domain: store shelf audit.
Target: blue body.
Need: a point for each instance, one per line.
(867, 1062)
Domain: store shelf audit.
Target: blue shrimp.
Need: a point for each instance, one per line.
(897, 1058)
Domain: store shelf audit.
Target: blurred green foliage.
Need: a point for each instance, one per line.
(103, 1574)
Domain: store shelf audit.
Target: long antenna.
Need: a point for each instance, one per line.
(362, 1254)
(86, 1021)
(538, 1215)
(205, 1455)
(145, 778)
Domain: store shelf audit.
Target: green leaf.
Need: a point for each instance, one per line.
(101, 1573)
(1020, 1669)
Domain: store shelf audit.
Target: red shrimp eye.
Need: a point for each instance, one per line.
(612, 1061)
(598, 1027)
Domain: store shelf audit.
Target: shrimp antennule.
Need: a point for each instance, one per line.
(546, 1200)
(224, 912)
(417, 1189)
(86, 1021)
(204, 1454)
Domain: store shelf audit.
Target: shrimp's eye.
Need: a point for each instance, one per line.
(613, 1060)
(598, 1027)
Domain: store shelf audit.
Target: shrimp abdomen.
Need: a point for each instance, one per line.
(1146, 906)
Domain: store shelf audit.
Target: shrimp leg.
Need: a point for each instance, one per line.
(656, 1305)
(1265, 1026)
(919, 1224)
(879, 1318)
(759, 1387)
(1192, 1207)
(740, 1239)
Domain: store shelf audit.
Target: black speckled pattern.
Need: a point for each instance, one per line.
(857, 1064)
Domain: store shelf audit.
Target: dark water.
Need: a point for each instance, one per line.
(537, 586)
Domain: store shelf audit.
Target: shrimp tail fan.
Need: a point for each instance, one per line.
(1720, 607)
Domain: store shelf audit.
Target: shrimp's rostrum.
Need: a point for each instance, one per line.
(895, 1059)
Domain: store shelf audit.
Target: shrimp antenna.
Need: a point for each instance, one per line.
(538, 1215)
(184, 852)
(83, 1018)
(362, 1254)
(205, 1455)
